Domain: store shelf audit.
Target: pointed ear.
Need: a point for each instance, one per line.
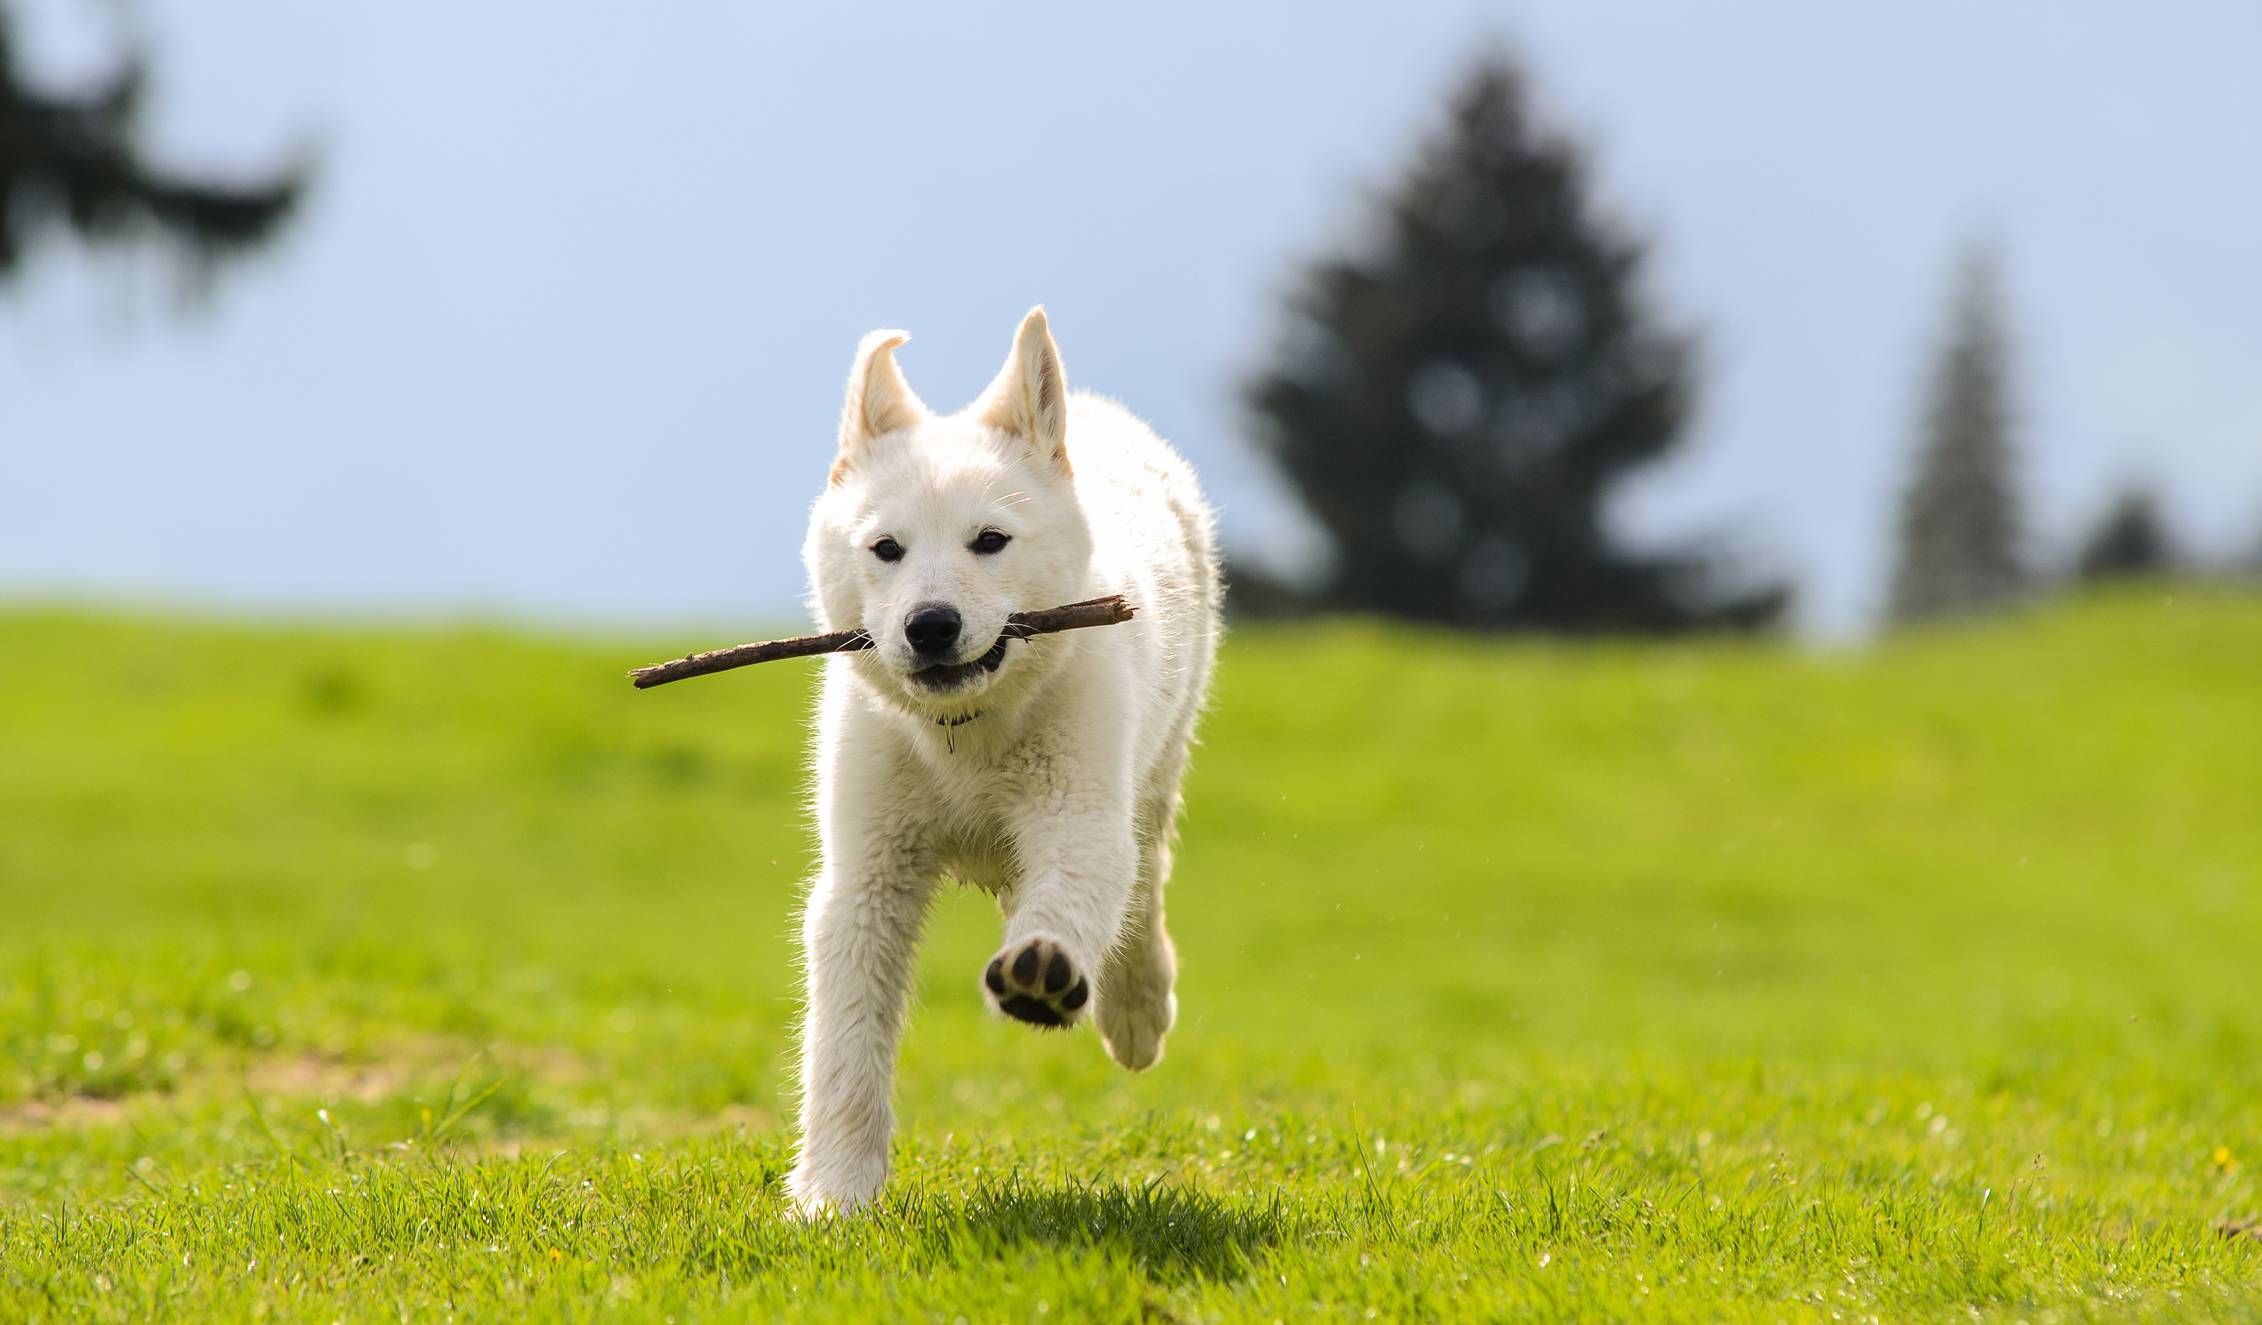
(1029, 396)
(879, 401)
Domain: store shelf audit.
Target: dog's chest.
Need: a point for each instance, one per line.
(981, 859)
(978, 800)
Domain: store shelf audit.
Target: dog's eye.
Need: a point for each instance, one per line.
(887, 549)
(990, 540)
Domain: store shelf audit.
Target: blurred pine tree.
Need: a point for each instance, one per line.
(2131, 540)
(1455, 406)
(70, 161)
(1960, 532)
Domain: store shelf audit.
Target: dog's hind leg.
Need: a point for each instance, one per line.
(1136, 1003)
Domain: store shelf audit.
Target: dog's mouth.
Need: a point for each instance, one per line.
(951, 676)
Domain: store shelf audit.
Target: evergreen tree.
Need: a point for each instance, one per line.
(1959, 529)
(1455, 407)
(2132, 540)
(71, 161)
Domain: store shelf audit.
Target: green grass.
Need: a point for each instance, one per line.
(438, 975)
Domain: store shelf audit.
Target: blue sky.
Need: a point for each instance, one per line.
(562, 334)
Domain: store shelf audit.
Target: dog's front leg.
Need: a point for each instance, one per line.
(1077, 857)
(859, 935)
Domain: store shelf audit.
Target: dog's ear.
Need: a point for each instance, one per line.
(879, 400)
(1029, 396)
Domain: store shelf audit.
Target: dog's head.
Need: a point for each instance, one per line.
(933, 528)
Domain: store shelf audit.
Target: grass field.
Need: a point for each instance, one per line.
(376, 975)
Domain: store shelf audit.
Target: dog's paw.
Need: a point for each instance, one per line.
(815, 1191)
(1136, 1007)
(1133, 1023)
(1036, 981)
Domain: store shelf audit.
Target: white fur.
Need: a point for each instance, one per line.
(1051, 783)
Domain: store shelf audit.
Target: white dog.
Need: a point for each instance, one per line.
(1044, 770)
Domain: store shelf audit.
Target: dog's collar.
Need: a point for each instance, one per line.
(950, 728)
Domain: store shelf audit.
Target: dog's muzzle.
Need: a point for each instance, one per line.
(950, 676)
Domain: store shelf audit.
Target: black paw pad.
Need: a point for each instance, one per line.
(1021, 1007)
(1035, 983)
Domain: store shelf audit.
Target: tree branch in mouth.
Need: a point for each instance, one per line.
(1109, 611)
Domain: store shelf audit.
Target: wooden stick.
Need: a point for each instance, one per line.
(1108, 611)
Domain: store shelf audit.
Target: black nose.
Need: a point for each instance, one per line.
(932, 629)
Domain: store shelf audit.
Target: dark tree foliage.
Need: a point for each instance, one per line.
(1960, 529)
(1455, 407)
(71, 162)
(2131, 541)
